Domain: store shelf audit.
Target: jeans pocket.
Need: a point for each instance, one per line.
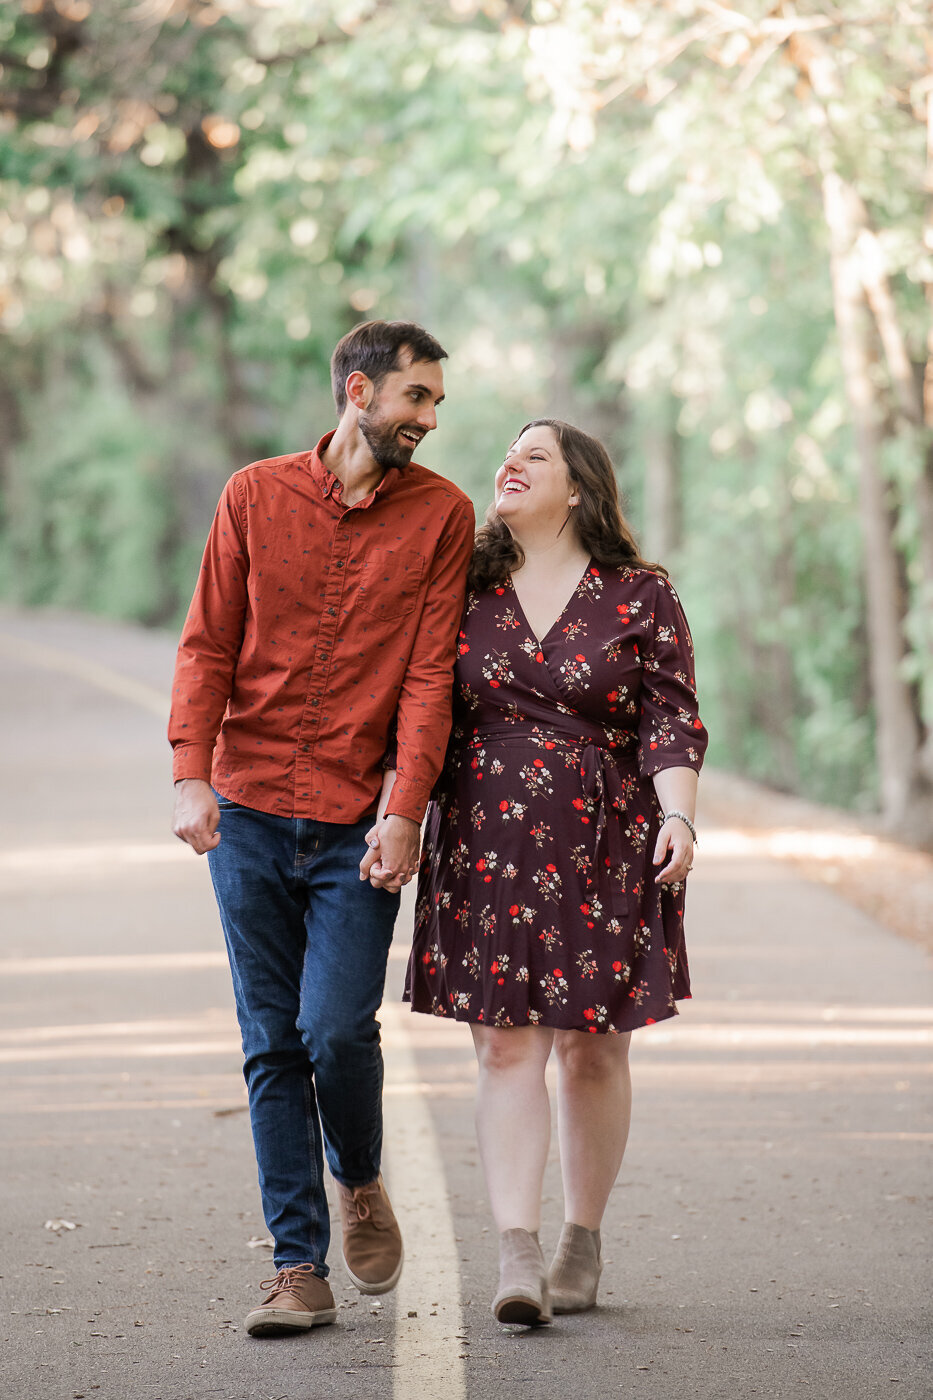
(224, 803)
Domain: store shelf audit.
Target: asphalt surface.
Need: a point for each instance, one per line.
(770, 1234)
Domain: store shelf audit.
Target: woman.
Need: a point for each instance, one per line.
(550, 896)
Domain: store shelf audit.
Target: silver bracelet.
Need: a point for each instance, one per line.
(686, 821)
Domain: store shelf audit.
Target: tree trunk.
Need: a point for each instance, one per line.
(897, 736)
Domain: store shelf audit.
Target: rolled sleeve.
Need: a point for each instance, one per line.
(670, 732)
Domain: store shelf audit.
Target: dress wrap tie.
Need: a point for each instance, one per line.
(602, 786)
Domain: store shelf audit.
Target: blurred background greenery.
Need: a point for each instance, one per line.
(701, 231)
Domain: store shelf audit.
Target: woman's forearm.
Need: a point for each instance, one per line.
(677, 790)
(388, 783)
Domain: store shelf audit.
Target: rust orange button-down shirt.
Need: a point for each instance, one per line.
(313, 627)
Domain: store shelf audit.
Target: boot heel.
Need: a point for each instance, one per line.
(522, 1299)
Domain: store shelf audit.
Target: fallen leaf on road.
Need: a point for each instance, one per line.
(58, 1225)
(254, 1242)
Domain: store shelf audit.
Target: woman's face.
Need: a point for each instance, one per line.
(533, 485)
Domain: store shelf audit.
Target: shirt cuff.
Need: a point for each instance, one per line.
(408, 800)
(192, 761)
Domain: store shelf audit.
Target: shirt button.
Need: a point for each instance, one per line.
(314, 703)
(305, 748)
(331, 612)
(338, 564)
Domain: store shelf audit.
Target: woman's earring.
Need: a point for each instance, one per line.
(569, 514)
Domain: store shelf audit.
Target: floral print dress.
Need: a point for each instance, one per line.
(536, 896)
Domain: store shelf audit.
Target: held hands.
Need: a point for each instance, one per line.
(394, 844)
(674, 837)
(197, 815)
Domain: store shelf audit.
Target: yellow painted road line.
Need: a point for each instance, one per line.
(427, 1350)
(91, 672)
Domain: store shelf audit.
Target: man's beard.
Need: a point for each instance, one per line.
(382, 441)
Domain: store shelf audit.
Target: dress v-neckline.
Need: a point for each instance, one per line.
(577, 586)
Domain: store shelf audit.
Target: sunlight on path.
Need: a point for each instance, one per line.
(429, 1313)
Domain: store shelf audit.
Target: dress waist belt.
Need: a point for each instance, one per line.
(602, 785)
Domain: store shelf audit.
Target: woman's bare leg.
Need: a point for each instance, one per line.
(513, 1120)
(594, 1104)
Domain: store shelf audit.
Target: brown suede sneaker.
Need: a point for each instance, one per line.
(298, 1299)
(372, 1241)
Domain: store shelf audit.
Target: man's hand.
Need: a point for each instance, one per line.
(394, 844)
(197, 815)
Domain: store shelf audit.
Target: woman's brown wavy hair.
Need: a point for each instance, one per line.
(601, 527)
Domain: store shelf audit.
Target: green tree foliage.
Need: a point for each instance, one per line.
(609, 209)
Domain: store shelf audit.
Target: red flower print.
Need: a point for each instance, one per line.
(639, 819)
(698, 724)
(494, 966)
(549, 744)
(501, 981)
(652, 745)
(487, 878)
(503, 806)
(539, 656)
(584, 908)
(513, 910)
(500, 591)
(589, 1013)
(426, 958)
(551, 868)
(538, 763)
(617, 967)
(579, 803)
(463, 648)
(580, 656)
(481, 864)
(557, 972)
(650, 1021)
(594, 571)
(494, 684)
(592, 1030)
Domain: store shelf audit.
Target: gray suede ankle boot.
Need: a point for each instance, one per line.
(523, 1294)
(574, 1274)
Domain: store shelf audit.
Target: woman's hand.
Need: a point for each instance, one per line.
(674, 837)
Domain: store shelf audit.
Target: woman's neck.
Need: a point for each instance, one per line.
(544, 552)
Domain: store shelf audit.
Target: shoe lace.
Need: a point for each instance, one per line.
(361, 1203)
(287, 1280)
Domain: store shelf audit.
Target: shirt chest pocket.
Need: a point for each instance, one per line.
(390, 581)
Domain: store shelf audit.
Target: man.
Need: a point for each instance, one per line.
(324, 617)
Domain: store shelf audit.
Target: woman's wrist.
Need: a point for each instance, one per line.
(682, 816)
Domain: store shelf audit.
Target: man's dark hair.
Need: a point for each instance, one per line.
(373, 347)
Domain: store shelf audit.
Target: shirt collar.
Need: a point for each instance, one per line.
(330, 485)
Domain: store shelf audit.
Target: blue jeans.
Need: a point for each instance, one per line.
(308, 943)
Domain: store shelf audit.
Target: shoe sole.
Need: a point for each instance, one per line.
(520, 1311)
(269, 1322)
(383, 1286)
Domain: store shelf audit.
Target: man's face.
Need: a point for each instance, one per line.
(402, 411)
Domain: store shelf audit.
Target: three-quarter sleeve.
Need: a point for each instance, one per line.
(670, 731)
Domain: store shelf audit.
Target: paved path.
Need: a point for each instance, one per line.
(770, 1234)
